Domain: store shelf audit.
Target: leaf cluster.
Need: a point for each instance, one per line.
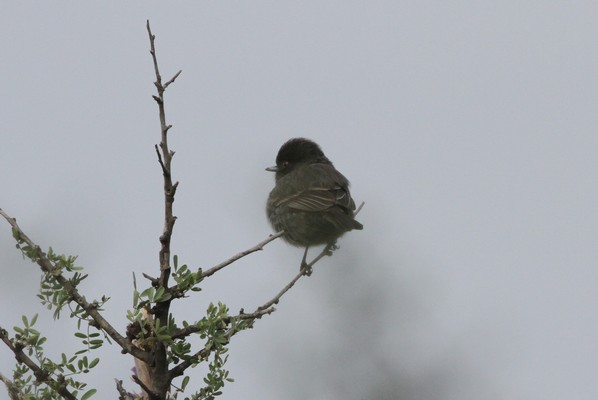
(56, 375)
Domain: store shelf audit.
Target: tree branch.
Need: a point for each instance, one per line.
(40, 375)
(267, 308)
(145, 388)
(160, 380)
(177, 293)
(90, 308)
(257, 247)
(122, 393)
(165, 159)
(172, 79)
(13, 391)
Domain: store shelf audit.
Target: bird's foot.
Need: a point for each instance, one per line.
(305, 269)
(330, 248)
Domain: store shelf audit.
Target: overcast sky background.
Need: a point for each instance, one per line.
(467, 127)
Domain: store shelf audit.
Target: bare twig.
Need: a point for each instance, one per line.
(165, 159)
(172, 79)
(160, 380)
(276, 298)
(41, 375)
(257, 247)
(122, 393)
(145, 388)
(153, 280)
(91, 309)
(267, 308)
(177, 293)
(359, 208)
(164, 171)
(264, 308)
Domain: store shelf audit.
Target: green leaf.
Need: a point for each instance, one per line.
(185, 382)
(148, 293)
(88, 394)
(135, 298)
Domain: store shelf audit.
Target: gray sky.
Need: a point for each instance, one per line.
(468, 128)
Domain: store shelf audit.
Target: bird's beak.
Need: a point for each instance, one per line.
(272, 169)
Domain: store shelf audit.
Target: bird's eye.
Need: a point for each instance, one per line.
(285, 164)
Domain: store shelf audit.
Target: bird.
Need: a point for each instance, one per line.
(310, 201)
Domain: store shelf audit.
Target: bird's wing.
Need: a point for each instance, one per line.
(319, 199)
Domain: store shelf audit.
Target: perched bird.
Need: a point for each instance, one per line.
(310, 200)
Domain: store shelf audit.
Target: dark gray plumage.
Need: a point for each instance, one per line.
(310, 201)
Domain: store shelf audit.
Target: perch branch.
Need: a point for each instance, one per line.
(267, 308)
(257, 247)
